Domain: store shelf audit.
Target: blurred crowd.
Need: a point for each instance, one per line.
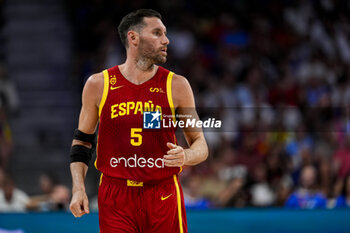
(275, 72)
(278, 76)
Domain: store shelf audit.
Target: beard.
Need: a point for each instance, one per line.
(149, 53)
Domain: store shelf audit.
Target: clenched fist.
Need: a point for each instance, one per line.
(175, 157)
(79, 204)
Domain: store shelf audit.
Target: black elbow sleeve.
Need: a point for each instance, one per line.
(84, 137)
(80, 153)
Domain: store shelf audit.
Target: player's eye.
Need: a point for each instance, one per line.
(157, 33)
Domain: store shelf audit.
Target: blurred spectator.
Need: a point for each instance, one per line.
(261, 191)
(8, 92)
(299, 16)
(278, 174)
(299, 148)
(11, 198)
(221, 172)
(235, 193)
(253, 88)
(343, 200)
(307, 196)
(325, 144)
(327, 177)
(284, 92)
(193, 197)
(248, 154)
(2, 177)
(183, 42)
(341, 157)
(54, 196)
(6, 144)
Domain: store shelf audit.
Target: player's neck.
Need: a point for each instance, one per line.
(143, 64)
(138, 72)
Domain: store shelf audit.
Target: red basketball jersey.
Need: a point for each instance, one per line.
(130, 143)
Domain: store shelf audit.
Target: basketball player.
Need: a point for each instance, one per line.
(139, 160)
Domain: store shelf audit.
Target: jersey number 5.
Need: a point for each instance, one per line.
(136, 137)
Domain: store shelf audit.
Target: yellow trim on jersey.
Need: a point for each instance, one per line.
(170, 95)
(102, 103)
(105, 91)
(134, 183)
(95, 163)
(101, 178)
(178, 197)
(170, 100)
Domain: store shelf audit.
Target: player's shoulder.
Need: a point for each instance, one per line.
(180, 82)
(95, 79)
(93, 88)
(182, 91)
(95, 82)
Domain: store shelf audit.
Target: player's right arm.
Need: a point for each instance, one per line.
(88, 120)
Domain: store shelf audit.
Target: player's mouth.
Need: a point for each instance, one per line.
(164, 51)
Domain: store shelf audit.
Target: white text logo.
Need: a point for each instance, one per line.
(137, 162)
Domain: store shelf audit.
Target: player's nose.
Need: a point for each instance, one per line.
(165, 40)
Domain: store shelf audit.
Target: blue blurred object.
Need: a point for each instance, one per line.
(341, 202)
(306, 200)
(239, 39)
(199, 204)
(11, 231)
(208, 221)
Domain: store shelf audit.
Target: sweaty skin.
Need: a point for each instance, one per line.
(138, 68)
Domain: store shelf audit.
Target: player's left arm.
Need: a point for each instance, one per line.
(184, 103)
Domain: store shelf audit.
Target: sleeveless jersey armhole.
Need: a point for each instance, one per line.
(170, 94)
(105, 92)
(171, 103)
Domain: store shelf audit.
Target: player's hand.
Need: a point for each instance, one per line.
(79, 204)
(175, 157)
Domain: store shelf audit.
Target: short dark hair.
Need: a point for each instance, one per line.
(133, 20)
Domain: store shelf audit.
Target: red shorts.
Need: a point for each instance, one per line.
(128, 206)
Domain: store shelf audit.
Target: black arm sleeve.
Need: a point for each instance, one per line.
(84, 137)
(79, 153)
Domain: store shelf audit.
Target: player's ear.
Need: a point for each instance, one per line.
(133, 38)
